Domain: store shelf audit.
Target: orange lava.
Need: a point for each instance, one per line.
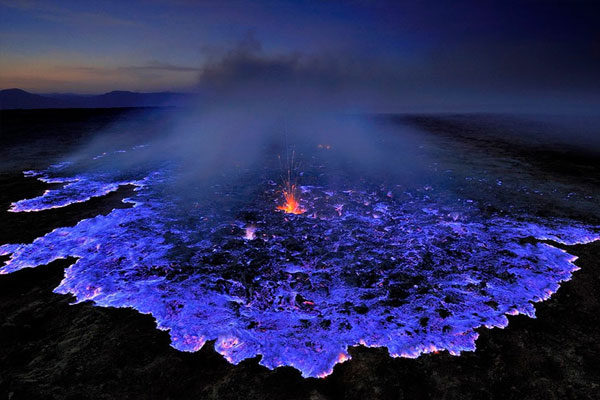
(291, 205)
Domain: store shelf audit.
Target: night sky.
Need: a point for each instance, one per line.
(406, 55)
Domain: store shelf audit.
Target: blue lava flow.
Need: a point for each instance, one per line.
(410, 271)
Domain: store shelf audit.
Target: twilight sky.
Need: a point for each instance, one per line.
(428, 53)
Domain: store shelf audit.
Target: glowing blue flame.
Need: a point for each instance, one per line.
(415, 275)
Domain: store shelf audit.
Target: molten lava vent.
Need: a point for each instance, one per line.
(291, 205)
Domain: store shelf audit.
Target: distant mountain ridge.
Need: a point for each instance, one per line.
(21, 99)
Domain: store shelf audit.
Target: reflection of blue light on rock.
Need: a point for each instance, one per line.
(414, 275)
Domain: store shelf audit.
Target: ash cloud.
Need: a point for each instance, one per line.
(247, 74)
(530, 76)
(253, 106)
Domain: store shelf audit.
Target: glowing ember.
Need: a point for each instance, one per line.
(250, 233)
